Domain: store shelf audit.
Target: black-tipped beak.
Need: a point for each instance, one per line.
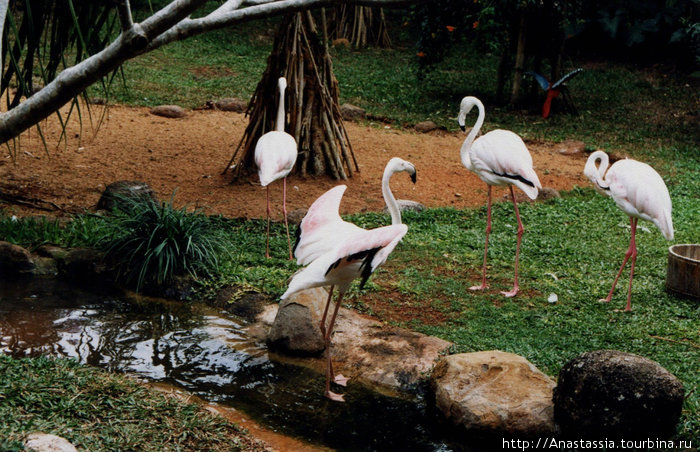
(413, 177)
(464, 128)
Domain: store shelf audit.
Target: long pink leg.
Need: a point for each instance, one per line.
(483, 285)
(632, 250)
(521, 229)
(329, 365)
(284, 210)
(267, 243)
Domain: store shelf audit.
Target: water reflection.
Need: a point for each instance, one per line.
(206, 352)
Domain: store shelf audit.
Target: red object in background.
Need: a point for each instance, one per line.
(553, 90)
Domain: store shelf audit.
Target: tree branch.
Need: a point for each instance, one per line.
(125, 14)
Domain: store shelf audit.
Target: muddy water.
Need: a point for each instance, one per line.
(206, 352)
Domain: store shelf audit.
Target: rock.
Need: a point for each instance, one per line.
(296, 215)
(14, 260)
(612, 394)
(494, 393)
(169, 111)
(296, 327)
(128, 189)
(547, 193)
(43, 442)
(369, 351)
(350, 112)
(425, 126)
(570, 147)
(232, 104)
(45, 266)
(83, 265)
(408, 205)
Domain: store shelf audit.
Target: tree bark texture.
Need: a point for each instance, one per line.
(313, 108)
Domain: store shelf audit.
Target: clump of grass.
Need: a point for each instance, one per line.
(151, 243)
(98, 411)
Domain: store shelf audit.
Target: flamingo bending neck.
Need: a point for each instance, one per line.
(465, 108)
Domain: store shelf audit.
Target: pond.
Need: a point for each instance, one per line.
(206, 352)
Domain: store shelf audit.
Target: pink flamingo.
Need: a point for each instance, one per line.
(275, 155)
(640, 192)
(323, 227)
(343, 253)
(499, 158)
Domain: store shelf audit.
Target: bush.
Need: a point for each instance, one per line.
(150, 243)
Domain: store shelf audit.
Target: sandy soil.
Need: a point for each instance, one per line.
(188, 155)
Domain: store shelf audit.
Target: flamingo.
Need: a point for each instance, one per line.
(322, 227)
(640, 192)
(499, 158)
(275, 155)
(345, 252)
(356, 255)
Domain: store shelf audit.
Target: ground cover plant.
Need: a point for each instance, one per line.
(572, 246)
(101, 412)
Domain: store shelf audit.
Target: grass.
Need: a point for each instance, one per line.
(572, 246)
(97, 411)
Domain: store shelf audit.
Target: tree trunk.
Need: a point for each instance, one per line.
(312, 96)
(519, 58)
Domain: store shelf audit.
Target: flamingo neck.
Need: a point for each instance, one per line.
(467, 145)
(389, 198)
(279, 125)
(597, 173)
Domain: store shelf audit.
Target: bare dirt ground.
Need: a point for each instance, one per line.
(188, 155)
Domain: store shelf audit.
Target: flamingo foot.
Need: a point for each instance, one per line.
(481, 287)
(512, 293)
(605, 300)
(341, 380)
(335, 397)
(267, 255)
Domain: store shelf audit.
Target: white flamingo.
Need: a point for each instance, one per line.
(322, 227)
(355, 254)
(275, 155)
(338, 252)
(640, 192)
(499, 158)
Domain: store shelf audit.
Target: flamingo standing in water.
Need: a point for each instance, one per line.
(640, 192)
(499, 158)
(339, 252)
(275, 155)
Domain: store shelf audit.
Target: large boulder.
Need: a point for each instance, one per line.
(494, 393)
(14, 260)
(612, 394)
(296, 329)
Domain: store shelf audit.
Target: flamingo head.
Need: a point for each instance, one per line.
(397, 165)
(464, 108)
(282, 83)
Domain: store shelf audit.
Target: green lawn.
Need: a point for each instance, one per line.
(572, 246)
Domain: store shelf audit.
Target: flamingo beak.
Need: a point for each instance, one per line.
(413, 177)
(463, 127)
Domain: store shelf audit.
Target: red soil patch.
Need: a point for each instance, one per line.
(189, 155)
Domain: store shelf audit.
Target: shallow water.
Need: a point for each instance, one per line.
(206, 352)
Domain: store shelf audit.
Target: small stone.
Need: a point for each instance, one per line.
(350, 112)
(547, 193)
(425, 126)
(43, 442)
(169, 111)
(570, 147)
(129, 189)
(232, 104)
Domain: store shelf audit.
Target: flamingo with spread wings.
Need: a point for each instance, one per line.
(339, 253)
